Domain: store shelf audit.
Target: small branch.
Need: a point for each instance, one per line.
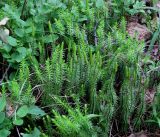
(116, 125)
(39, 95)
(37, 86)
(110, 133)
(4, 74)
(18, 131)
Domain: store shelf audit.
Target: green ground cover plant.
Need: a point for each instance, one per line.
(70, 68)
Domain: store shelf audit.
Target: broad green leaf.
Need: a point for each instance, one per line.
(28, 30)
(17, 57)
(22, 51)
(22, 111)
(4, 133)
(7, 47)
(2, 103)
(6, 55)
(35, 133)
(99, 3)
(29, 51)
(14, 14)
(33, 12)
(19, 32)
(18, 122)
(30, 39)
(39, 18)
(34, 110)
(2, 117)
(45, 9)
(12, 41)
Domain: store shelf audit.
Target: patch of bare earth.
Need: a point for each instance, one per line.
(135, 29)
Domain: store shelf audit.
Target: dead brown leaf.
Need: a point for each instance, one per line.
(9, 108)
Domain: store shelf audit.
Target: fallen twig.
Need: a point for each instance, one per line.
(4, 74)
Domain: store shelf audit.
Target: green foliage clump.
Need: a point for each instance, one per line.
(75, 61)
